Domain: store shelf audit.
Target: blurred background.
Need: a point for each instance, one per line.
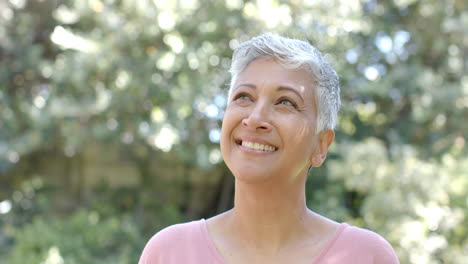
(110, 115)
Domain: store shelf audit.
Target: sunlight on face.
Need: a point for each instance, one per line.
(269, 124)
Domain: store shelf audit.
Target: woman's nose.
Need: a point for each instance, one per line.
(258, 119)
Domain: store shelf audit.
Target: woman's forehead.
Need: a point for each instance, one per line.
(269, 72)
(276, 70)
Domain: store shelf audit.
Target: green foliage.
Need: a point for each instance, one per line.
(105, 230)
(418, 204)
(82, 237)
(132, 93)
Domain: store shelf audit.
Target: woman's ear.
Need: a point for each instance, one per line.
(325, 138)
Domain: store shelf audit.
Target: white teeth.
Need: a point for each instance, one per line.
(257, 146)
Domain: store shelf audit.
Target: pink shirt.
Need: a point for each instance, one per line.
(190, 243)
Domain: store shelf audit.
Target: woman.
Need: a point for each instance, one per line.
(282, 107)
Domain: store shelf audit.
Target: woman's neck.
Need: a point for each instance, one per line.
(269, 215)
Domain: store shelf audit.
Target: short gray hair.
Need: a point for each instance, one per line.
(294, 53)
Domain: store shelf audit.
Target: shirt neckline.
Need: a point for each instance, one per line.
(330, 243)
(206, 236)
(214, 252)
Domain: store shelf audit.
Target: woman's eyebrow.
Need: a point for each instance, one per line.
(287, 88)
(247, 85)
(280, 88)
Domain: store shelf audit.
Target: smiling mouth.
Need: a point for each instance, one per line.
(256, 146)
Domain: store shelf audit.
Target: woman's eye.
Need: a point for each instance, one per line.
(243, 97)
(287, 102)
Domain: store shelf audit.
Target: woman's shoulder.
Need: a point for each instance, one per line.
(176, 233)
(364, 236)
(363, 243)
(166, 245)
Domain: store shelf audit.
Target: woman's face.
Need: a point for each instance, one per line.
(269, 124)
